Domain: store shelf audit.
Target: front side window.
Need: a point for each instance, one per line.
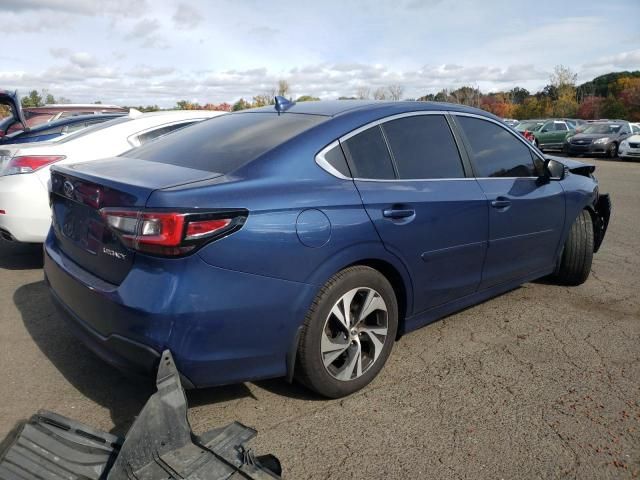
(561, 126)
(495, 151)
(423, 147)
(368, 155)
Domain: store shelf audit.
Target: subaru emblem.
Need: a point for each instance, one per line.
(67, 187)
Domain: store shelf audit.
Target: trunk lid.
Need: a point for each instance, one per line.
(78, 192)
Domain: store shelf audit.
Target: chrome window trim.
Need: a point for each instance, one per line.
(322, 162)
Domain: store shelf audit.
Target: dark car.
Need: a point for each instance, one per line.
(31, 117)
(57, 128)
(598, 138)
(302, 241)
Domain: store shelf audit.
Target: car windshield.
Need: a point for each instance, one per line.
(529, 125)
(602, 128)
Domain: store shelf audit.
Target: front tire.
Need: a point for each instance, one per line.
(575, 261)
(612, 151)
(348, 332)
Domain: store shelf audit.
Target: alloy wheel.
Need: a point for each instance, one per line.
(354, 333)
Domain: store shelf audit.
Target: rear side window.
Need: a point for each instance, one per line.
(423, 147)
(495, 151)
(335, 157)
(368, 155)
(224, 143)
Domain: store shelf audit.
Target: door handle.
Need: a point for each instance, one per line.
(398, 213)
(501, 202)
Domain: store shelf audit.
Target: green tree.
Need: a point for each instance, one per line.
(613, 108)
(241, 104)
(34, 99)
(307, 98)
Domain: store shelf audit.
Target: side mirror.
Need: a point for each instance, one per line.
(552, 170)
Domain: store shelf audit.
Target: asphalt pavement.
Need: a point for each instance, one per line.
(542, 382)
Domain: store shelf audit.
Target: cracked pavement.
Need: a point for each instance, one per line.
(542, 382)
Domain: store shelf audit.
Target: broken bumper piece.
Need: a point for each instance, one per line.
(159, 445)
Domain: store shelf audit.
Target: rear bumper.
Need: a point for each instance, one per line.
(25, 203)
(222, 326)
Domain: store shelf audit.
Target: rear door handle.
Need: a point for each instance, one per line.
(501, 202)
(398, 213)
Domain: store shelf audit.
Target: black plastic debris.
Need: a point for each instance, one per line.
(159, 446)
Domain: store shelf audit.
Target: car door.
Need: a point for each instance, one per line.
(412, 182)
(526, 214)
(545, 134)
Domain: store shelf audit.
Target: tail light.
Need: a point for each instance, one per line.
(171, 233)
(30, 163)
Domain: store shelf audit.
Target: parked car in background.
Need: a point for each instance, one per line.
(512, 122)
(551, 134)
(629, 148)
(28, 117)
(526, 128)
(51, 130)
(303, 240)
(599, 138)
(25, 215)
(11, 103)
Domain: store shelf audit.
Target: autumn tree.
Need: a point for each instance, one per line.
(395, 92)
(363, 93)
(380, 94)
(283, 88)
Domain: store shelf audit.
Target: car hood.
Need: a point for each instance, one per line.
(11, 100)
(592, 136)
(633, 139)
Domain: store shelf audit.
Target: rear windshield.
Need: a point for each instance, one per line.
(224, 143)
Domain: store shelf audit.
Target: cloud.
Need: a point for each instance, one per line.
(624, 60)
(37, 22)
(146, 32)
(263, 32)
(59, 52)
(79, 7)
(186, 17)
(143, 29)
(145, 71)
(83, 60)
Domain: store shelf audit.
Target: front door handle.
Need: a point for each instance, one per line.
(398, 213)
(501, 202)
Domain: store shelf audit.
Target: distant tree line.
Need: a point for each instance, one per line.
(614, 95)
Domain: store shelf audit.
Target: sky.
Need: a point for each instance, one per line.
(143, 52)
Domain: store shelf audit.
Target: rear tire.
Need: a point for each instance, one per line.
(575, 261)
(348, 332)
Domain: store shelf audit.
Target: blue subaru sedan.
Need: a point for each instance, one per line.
(303, 240)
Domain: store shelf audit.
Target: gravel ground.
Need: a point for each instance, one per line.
(543, 382)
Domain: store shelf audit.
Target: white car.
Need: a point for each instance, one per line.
(630, 147)
(24, 168)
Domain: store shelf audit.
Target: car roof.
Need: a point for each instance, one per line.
(333, 108)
